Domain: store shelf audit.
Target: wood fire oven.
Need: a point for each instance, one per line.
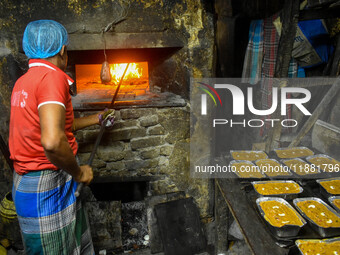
(148, 80)
(131, 156)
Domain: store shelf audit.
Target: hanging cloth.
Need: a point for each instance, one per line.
(254, 54)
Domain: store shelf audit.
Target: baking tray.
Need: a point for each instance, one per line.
(323, 232)
(289, 176)
(248, 162)
(247, 151)
(288, 196)
(303, 148)
(329, 240)
(286, 230)
(331, 201)
(305, 233)
(323, 191)
(312, 175)
(330, 174)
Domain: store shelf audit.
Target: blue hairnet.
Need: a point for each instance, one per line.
(44, 38)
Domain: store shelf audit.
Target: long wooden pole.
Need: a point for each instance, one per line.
(101, 132)
(332, 92)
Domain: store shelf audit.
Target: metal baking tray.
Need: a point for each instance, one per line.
(247, 151)
(302, 148)
(248, 162)
(315, 174)
(331, 201)
(324, 232)
(289, 173)
(324, 156)
(323, 191)
(288, 196)
(286, 230)
(329, 240)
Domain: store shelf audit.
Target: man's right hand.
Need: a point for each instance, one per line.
(86, 175)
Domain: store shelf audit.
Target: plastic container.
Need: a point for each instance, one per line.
(7, 209)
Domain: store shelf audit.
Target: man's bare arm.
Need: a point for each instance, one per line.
(83, 122)
(55, 144)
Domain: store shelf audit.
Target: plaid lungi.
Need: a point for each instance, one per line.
(51, 219)
(270, 45)
(254, 54)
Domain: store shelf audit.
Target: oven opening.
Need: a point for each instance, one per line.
(134, 86)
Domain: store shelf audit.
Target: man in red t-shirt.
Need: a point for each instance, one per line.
(43, 148)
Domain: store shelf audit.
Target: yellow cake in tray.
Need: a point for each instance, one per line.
(246, 170)
(248, 155)
(294, 152)
(313, 247)
(279, 214)
(300, 167)
(271, 167)
(325, 163)
(331, 186)
(277, 188)
(319, 214)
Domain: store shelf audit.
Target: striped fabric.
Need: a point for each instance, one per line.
(271, 42)
(254, 54)
(270, 45)
(51, 219)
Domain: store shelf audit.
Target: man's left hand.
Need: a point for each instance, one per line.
(106, 118)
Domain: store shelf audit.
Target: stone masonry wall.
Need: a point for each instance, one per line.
(145, 142)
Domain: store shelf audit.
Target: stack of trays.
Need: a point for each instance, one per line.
(289, 209)
(292, 163)
(321, 217)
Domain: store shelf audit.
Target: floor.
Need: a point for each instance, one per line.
(235, 248)
(238, 248)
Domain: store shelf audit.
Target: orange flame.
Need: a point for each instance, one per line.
(117, 71)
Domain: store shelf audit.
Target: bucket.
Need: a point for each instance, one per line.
(7, 209)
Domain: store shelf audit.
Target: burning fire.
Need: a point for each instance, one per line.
(117, 71)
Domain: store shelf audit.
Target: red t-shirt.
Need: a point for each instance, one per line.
(44, 83)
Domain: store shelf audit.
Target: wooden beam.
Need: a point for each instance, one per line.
(290, 16)
(332, 92)
(123, 41)
(221, 222)
(320, 13)
(307, 82)
(225, 37)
